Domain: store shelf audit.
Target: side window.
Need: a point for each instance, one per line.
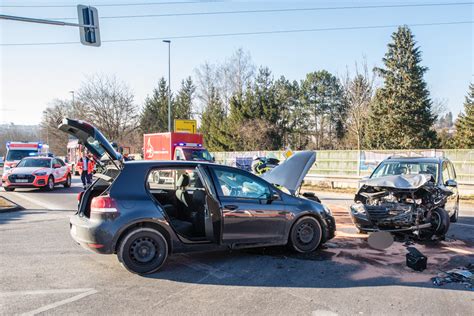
(452, 173)
(60, 161)
(55, 162)
(445, 172)
(179, 155)
(237, 184)
(167, 179)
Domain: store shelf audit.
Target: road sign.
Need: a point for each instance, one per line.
(185, 126)
(89, 17)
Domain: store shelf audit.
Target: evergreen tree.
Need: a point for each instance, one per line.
(464, 137)
(323, 97)
(154, 117)
(401, 116)
(182, 105)
(213, 124)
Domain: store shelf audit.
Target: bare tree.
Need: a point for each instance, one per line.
(52, 117)
(359, 91)
(108, 103)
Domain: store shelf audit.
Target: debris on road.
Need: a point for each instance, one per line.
(415, 259)
(463, 275)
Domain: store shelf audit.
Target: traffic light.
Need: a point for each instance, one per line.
(89, 25)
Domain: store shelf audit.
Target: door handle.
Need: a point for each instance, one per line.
(231, 207)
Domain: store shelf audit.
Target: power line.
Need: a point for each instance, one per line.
(107, 4)
(246, 33)
(280, 10)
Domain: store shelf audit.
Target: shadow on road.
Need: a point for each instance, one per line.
(9, 217)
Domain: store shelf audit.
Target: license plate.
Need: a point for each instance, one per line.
(21, 180)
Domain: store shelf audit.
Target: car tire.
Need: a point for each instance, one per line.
(67, 184)
(9, 189)
(440, 225)
(50, 184)
(306, 235)
(454, 218)
(143, 251)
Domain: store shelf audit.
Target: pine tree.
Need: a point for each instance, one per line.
(464, 137)
(182, 105)
(401, 116)
(154, 117)
(213, 124)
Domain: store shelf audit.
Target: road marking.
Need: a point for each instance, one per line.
(210, 270)
(468, 225)
(60, 303)
(47, 206)
(43, 292)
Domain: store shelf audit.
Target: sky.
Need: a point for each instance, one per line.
(33, 76)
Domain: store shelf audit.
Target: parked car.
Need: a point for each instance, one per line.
(130, 212)
(408, 195)
(37, 172)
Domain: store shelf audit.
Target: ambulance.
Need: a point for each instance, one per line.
(16, 151)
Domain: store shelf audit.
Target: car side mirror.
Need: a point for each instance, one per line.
(56, 166)
(451, 183)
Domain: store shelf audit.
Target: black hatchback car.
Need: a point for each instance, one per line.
(145, 210)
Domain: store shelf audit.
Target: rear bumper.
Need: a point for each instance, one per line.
(92, 235)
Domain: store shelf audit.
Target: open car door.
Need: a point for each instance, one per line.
(90, 137)
(213, 210)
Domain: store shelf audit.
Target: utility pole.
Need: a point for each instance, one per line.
(72, 93)
(169, 84)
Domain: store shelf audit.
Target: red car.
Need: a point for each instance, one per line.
(37, 172)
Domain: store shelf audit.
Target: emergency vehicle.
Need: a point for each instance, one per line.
(73, 154)
(175, 146)
(16, 151)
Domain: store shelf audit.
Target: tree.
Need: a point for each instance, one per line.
(52, 117)
(183, 103)
(464, 137)
(154, 117)
(213, 124)
(401, 115)
(358, 92)
(323, 96)
(108, 103)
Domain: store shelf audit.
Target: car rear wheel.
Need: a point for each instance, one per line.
(50, 184)
(143, 251)
(67, 184)
(9, 189)
(306, 235)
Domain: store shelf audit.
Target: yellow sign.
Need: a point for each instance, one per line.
(186, 126)
(288, 153)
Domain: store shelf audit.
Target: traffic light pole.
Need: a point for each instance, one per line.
(42, 21)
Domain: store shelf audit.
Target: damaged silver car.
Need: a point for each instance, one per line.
(408, 195)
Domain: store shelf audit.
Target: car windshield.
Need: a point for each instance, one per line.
(390, 168)
(17, 154)
(42, 163)
(197, 154)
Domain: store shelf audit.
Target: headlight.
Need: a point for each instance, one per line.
(42, 173)
(326, 209)
(358, 208)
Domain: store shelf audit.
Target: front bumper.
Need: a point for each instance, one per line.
(380, 218)
(330, 227)
(33, 181)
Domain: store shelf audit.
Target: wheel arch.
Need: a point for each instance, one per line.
(143, 223)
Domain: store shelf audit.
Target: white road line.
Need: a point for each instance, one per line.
(461, 224)
(42, 292)
(59, 303)
(47, 206)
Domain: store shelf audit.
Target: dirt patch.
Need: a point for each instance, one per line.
(8, 206)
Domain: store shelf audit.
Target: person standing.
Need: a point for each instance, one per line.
(84, 167)
(90, 168)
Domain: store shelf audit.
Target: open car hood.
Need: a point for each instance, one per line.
(406, 181)
(90, 137)
(291, 172)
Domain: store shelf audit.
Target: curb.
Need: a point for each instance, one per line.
(14, 208)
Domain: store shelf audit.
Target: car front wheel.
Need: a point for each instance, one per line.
(67, 184)
(143, 251)
(454, 218)
(306, 235)
(50, 184)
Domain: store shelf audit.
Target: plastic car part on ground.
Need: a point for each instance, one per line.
(464, 275)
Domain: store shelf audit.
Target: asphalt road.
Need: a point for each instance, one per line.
(43, 271)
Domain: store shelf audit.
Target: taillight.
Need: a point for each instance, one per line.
(103, 204)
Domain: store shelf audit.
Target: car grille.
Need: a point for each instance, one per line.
(389, 213)
(15, 177)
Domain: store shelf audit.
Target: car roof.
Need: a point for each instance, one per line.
(417, 159)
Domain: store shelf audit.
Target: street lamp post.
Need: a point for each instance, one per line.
(169, 83)
(72, 93)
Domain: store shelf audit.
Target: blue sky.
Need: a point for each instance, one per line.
(32, 76)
